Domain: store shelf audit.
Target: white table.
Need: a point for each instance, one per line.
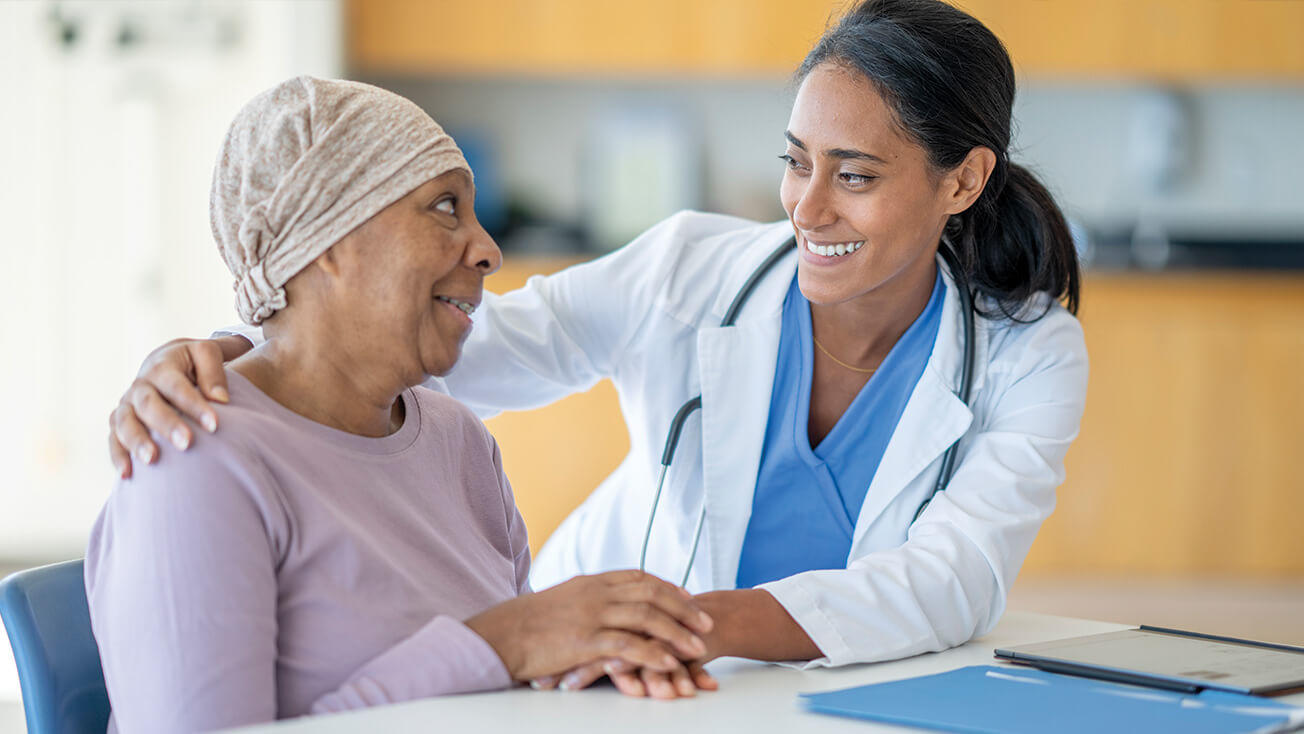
(753, 697)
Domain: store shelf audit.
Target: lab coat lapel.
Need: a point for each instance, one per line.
(737, 366)
(934, 416)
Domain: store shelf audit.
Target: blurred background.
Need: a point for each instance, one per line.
(1170, 130)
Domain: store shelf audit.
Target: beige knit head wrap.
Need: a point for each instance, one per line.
(304, 164)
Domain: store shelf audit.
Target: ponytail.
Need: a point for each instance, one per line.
(950, 83)
(1014, 243)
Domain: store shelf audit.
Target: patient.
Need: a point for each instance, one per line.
(345, 541)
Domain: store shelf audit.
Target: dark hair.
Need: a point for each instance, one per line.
(950, 84)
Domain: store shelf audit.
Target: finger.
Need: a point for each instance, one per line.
(668, 598)
(181, 394)
(652, 621)
(583, 676)
(630, 683)
(633, 648)
(118, 454)
(683, 682)
(702, 679)
(545, 683)
(158, 414)
(616, 666)
(624, 576)
(658, 685)
(206, 356)
(131, 433)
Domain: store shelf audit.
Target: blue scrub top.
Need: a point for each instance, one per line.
(807, 500)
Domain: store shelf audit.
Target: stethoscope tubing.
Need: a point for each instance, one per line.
(731, 314)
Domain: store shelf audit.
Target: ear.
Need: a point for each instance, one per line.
(965, 183)
(328, 262)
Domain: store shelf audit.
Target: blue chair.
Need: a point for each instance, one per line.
(49, 625)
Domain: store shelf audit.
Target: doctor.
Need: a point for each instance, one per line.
(827, 408)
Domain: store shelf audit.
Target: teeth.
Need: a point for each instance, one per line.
(842, 248)
(467, 308)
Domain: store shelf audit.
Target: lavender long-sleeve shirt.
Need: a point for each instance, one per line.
(281, 567)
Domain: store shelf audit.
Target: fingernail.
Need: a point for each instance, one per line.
(686, 688)
(705, 620)
(181, 438)
(219, 394)
(145, 454)
(536, 685)
(669, 661)
(210, 421)
(698, 645)
(609, 668)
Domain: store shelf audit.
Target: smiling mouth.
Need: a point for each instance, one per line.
(838, 249)
(467, 308)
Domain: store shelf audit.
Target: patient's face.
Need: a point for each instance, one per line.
(407, 275)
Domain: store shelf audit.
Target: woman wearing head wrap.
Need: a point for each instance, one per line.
(349, 539)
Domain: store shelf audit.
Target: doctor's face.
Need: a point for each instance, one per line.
(865, 204)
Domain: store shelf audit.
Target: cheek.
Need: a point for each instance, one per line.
(790, 189)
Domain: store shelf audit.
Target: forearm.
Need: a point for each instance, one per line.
(750, 623)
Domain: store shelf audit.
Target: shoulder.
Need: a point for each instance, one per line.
(443, 416)
(676, 267)
(221, 474)
(1053, 341)
(704, 254)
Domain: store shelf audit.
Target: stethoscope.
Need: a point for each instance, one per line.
(690, 407)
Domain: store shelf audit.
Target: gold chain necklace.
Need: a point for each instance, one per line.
(861, 370)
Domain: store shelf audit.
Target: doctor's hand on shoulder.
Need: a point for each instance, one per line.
(182, 376)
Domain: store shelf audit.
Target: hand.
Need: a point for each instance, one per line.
(683, 682)
(629, 615)
(178, 374)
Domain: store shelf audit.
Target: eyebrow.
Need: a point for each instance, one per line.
(836, 152)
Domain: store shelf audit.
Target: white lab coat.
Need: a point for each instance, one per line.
(647, 316)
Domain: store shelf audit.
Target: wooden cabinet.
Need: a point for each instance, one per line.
(1153, 39)
(1189, 460)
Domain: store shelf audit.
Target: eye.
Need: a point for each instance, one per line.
(446, 205)
(855, 179)
(792, 163)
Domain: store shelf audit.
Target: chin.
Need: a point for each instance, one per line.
(824, 292)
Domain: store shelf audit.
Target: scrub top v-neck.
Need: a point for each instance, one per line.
(807, 500)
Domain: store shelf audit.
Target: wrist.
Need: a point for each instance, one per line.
(751, 623)
(726, 609)
(493, 626)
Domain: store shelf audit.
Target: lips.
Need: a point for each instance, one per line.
(467, 305)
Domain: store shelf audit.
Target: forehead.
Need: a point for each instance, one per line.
(839, 107)
(458, 179)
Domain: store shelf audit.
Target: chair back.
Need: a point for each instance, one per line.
(49, 625)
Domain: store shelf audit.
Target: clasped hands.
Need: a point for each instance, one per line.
(648, 635)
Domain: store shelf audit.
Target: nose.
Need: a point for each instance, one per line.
(482, 253)
(814, 208)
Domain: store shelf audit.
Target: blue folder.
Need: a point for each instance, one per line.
(984, 699)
